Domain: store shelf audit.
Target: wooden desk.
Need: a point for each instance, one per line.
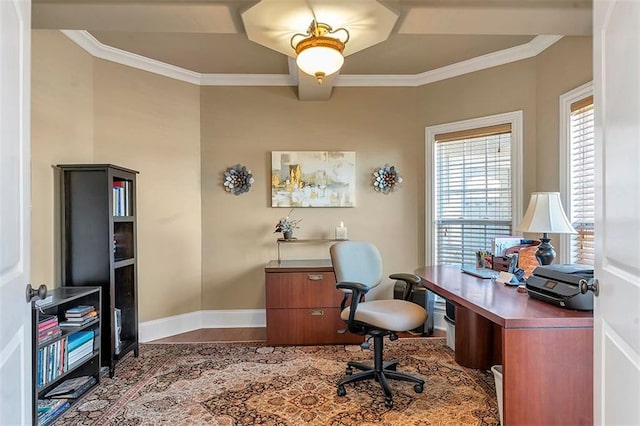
(546, 352)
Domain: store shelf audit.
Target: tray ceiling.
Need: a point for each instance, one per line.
(209, 36)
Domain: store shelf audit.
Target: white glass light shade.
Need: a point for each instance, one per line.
(319, 60)
(546, 215)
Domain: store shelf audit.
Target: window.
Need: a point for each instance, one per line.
(475, 190)
(577, 173)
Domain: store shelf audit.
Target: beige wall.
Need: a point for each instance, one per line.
(61, 132)
(561, 68)
(203, 248)
(151, 124)
(86, 110)
(243, 125)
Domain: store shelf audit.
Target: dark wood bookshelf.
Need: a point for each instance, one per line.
(49, 373)
(98, 214)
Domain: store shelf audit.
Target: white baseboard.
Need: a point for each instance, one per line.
(236, 318)
(170, 326)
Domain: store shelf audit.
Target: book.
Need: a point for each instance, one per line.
(76, 339)
(49, 335)
(48, 328)
(40, 372)
(48, 331)
(83, 349)
(88, 315)
(78, 323)
(46, 405)
(80, 354)
(46, 416)
(78, 311)
(47, 321)
(66, 324)
(72, 388)
(73, 361)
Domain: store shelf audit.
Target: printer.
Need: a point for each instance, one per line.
(560, 285)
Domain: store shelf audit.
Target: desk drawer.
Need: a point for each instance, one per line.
(302, 290)
(313, 326)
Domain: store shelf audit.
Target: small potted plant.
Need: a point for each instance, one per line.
(287, 225)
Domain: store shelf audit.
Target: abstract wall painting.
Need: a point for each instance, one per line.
(313, 179)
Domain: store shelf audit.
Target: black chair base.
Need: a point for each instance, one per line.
(388, 365)
(381, 371)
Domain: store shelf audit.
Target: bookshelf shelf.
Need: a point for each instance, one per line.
(99, 248)
(123, 263)
(51, 356)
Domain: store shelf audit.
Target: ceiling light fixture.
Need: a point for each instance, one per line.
(319, 53)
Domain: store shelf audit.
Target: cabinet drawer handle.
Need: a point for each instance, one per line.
(316, 312)
(316, 277)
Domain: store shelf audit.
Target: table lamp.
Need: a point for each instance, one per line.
(545, 215)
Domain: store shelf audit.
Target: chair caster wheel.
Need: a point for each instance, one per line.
(341, 391)
(348, 371)
(418, 388)
(388, 402)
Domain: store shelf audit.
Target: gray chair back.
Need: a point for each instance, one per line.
(357, 261)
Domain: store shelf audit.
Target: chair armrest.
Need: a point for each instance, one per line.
(358, 290)
(411, 281)
(353, 286)
(408, 278)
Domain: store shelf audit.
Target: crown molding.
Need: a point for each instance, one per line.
(490, 60)
(94, 47)
(99, 50)
(494, 59)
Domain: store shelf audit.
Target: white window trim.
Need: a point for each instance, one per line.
(514, 118)
(564, 155)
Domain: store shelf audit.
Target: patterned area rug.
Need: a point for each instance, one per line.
(254, 384)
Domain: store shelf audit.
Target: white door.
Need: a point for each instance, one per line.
(616, 39)
(15, 331)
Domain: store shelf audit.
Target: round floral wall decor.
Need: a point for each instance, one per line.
(237, 179)
(386, 179)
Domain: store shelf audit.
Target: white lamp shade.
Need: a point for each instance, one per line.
(319, 59)
(546, 215)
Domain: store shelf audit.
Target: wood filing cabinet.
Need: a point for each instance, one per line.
(303, 304)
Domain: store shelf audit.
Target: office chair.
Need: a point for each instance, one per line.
(358, 268)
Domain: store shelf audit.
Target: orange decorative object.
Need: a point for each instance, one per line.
(527, 260)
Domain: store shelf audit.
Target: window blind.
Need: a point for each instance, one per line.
(582, 181)
(473, 192)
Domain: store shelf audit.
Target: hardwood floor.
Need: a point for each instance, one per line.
(205, 335)
(258, 334)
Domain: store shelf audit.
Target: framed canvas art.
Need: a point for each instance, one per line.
(313, 179)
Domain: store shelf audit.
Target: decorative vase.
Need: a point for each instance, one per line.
(287, 234)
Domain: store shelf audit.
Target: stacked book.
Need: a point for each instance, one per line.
(49, 409)
(48, 328)
(79, 316)
(72, 388)
(79, 346)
